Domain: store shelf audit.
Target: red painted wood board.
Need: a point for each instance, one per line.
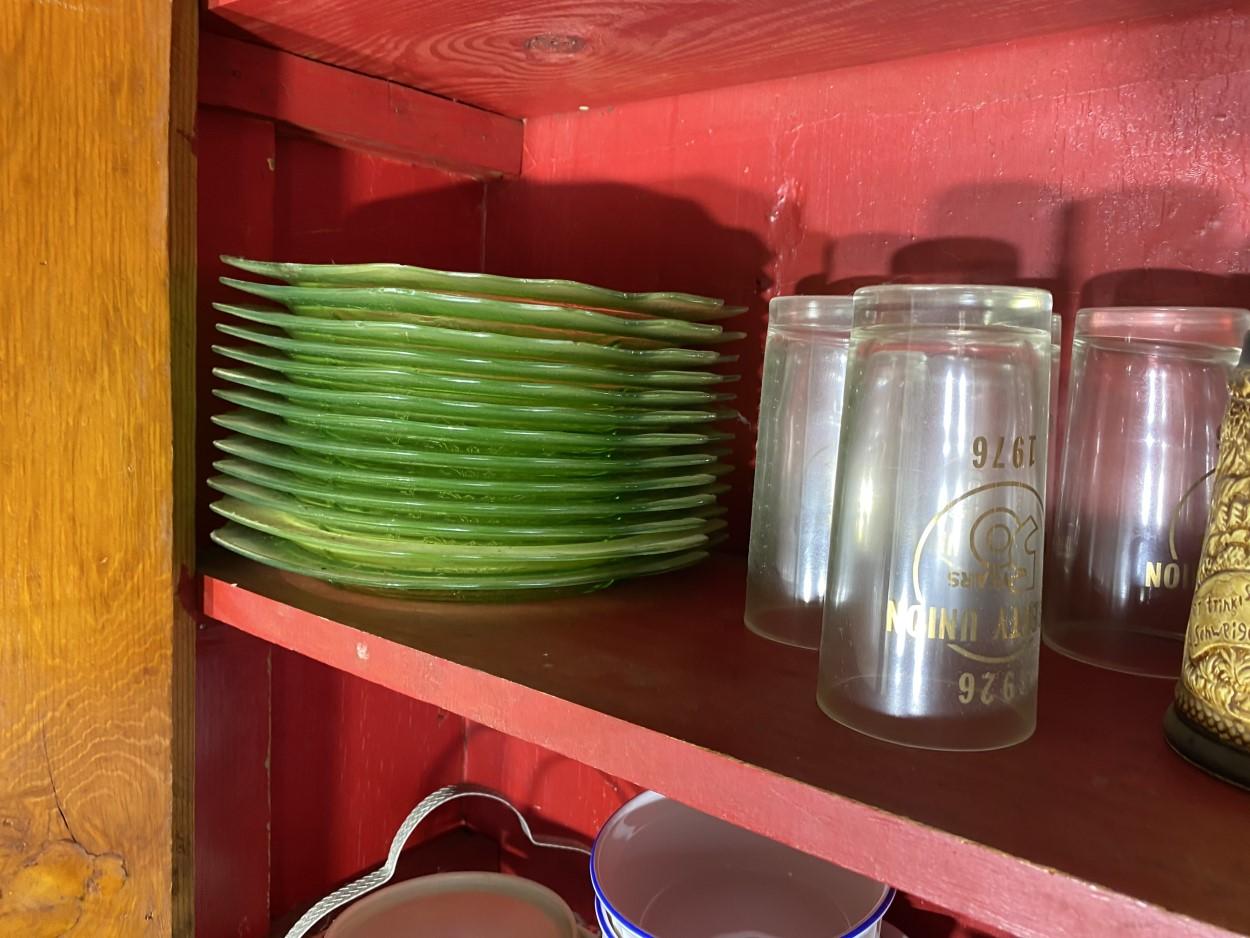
(559, 797)
(231, 784)
(657, 682)
(338, 205)
(350, 760)
(235, 154)
(1108, 166)
(523, 57)
(355, 110)
(456, 850)
(236, 180)
(566, 798)
(562, 795)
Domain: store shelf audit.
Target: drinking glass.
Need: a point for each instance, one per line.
(932, 610)
(1052, 437)
(795, 461)
(1147, 392)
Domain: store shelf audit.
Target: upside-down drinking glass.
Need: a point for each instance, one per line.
(795, 460)
(1148, 390)
(1052, 437)
(932, 611)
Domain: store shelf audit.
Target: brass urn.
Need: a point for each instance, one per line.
(1209, 720)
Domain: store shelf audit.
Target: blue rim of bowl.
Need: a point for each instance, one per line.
(605, 927)
(601, 899)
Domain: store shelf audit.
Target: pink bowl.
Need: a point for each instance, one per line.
(458, 905)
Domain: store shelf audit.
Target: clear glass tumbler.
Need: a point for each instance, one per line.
(1147, 392)
(795, 461)
(1052, 437)
(932, 612)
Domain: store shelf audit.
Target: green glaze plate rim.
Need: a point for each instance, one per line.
(442, 362)
(311, 458)
(367, 376)
(568, 292)
(480, 532)
(494, 413)
(329, 488)
(283, 555)
(390, 332)
(476, 439)
(510, 314)
(442, 556)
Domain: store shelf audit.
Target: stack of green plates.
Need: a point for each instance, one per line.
(468, 436)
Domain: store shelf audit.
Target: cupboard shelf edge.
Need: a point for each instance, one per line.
(837, 795)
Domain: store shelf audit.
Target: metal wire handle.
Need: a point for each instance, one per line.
(371, 881)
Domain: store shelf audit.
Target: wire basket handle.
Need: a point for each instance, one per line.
(371, 881)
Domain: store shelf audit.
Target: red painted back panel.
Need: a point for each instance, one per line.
(236, 181)
(1109, 166)
(232, 784)
(345, 206)
(236, 186)
(339, 760)
(559, 798)
(350, 759)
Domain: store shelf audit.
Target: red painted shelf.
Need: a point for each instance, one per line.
(1092, 826)
(530, 57)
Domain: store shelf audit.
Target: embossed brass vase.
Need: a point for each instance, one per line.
(933, 606)
(1209, 721)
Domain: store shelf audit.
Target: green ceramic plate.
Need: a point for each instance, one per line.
(356, 329)
(337, 486)
(562, 292)
(369, 377)
(389, 523)
(449, 310)
(442, 557)
(400, 469)
(442, 362)
(425, 406)
(448, 438)
(284, 555)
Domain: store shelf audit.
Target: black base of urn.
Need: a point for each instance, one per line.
(1205, 751)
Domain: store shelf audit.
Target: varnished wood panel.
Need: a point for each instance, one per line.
(98, 247)
(528, 57)
(656, 681)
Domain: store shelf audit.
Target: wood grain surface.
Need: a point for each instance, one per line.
(529, 57)
(94, 707)
(355, 110)
(657, 682)
(182, 223)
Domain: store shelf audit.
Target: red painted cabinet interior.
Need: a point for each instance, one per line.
(1108, 162)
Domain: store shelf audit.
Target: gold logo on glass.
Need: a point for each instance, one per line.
(985, 545)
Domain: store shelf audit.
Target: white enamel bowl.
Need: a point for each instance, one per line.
(663, 870)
